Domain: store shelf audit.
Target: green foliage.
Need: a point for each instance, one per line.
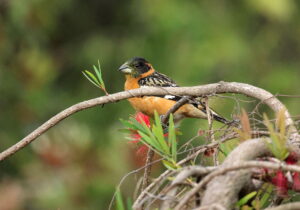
(155, 138)
(119, 201)
(263, 196)
(278, 136)
(261, 200)
(120, 204)
(245, 199)
(97, 78)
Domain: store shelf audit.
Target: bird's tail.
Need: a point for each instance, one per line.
(216, 116)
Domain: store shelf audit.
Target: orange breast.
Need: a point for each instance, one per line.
(131, 83)
(148, 104)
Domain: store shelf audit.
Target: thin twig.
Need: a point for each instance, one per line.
(147, 172)
(211, 136)
(186, 172)
(176, 106)
(127, 175)
(138, 202)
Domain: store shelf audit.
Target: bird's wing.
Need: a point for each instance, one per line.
(157, 79)
(160, 80)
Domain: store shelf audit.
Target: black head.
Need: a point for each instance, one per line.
(135, 66)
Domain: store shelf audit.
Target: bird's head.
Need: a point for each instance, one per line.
(136, 67)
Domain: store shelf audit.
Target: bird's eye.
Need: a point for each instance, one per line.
(138, 65)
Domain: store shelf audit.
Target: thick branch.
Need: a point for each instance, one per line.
(288, 206)
(239, 165)
(229, 185)
(222, 87)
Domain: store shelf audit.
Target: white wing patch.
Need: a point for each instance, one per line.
(169, 97)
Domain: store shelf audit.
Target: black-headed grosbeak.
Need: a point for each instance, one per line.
(139, 73)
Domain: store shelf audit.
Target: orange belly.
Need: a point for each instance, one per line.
(148, 105)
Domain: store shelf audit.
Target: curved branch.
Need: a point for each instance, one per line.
(221, 87)
(224, 189)
(288, 206)
(170, 191)
(235, 167)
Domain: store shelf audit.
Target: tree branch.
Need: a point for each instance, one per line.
(230, 184)
(221, 87)
(176, 106)
(288, 206)
(234, 167)
(147, 171)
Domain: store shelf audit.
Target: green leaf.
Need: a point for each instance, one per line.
(159, 134)
(266, 190)
(225, 149)
(119, 201)
(128, 124)
(129, 203)
(160, 140)
(99, 74)
(91, 78)
(125, 130)
(245, 199)
(151, 142)
(278, 140)
(141, 126)
(172, 138)
(169, 165)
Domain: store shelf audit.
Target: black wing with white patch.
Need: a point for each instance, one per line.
(159, 80)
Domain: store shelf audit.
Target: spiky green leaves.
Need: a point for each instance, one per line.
(96, 79)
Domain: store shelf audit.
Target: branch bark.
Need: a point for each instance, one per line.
(288, 206)
(237, 166)
(224, 189)
(221, 87)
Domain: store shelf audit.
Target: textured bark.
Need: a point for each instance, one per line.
(288, 206)
(223, 190)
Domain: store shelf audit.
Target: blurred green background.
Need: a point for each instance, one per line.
(44, 46)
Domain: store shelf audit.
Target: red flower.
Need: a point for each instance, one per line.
(296, 181)
(135, 136)
(281, 183)
(142, 118)
(292, 159)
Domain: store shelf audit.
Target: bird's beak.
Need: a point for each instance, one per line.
(125, 69)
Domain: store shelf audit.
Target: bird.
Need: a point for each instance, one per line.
(139, 73)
